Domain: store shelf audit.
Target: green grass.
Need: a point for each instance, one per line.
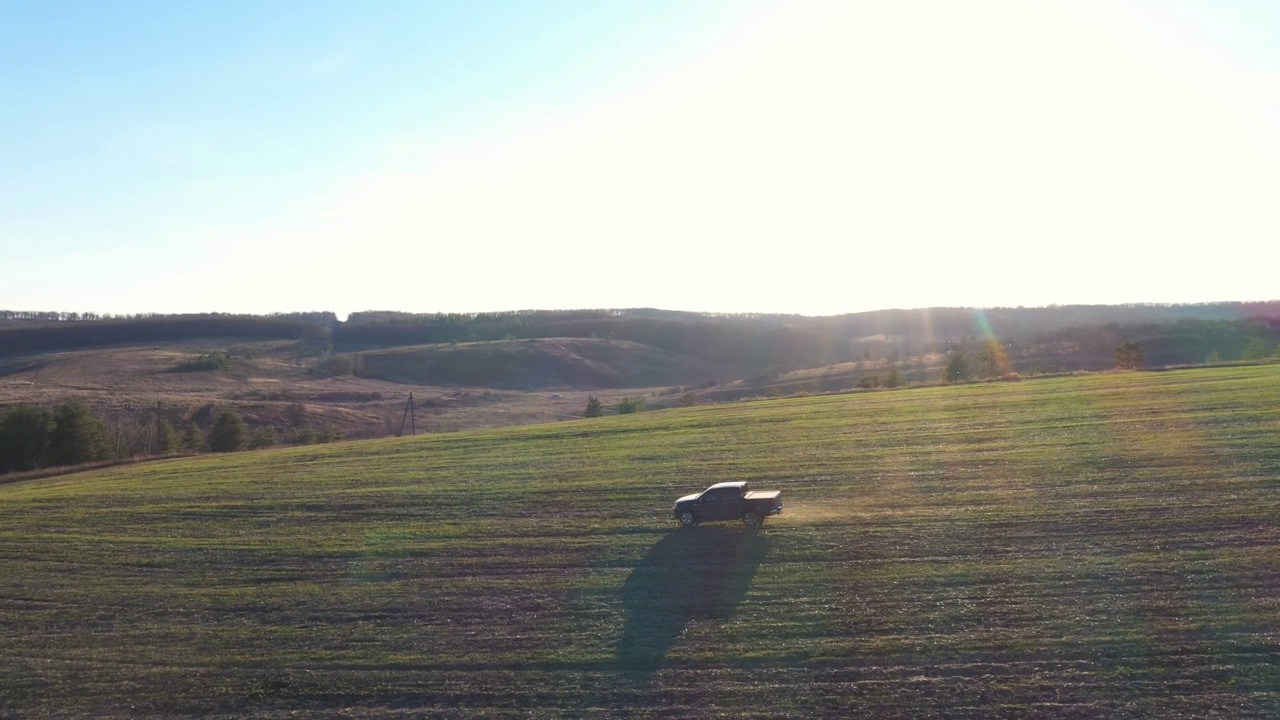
(1097, 546)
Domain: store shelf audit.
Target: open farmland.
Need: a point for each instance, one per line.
(1093, 546)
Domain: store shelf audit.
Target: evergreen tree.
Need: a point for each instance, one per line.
(228, 433)
(167, 439)
(957, 369)
(1130, 356)
(77, 436)
(193, 439)
(24, 438)
(595, 408)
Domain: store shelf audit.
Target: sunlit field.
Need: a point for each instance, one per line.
(1092, 546)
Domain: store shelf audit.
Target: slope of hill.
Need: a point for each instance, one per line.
(284, 385)
(552, 363)
(1097, 546)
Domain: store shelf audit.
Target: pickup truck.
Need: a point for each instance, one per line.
(728, 501)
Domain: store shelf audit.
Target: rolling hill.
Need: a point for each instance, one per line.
(305, 372)
(282, 384)
(1091, 546)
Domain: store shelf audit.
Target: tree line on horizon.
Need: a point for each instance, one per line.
(1064, 337)
(62, 316)
(18, 338)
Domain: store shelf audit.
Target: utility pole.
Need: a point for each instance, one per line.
(410, 416)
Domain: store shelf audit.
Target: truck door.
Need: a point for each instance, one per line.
(719, 505)
(733, 506)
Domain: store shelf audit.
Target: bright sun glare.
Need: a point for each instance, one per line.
(807, 157)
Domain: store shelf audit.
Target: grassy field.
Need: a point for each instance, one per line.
(1094, 546)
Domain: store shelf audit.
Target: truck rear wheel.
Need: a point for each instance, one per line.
(751, 518)
(688, 519)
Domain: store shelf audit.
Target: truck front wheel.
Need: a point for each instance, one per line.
(687, 518)
(751, 518)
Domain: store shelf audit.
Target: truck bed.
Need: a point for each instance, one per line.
(761, 494)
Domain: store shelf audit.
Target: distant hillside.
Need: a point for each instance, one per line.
(1064, 337)
(1080, 337)
(539, 364)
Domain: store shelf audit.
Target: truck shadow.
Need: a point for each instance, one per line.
(702, 572)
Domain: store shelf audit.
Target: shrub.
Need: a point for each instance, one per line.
(338, 365)
(631, 405)
(594, 408)
(316, 435)
(1256, 350)
(894, 378)
(215, 360)
(262, 438)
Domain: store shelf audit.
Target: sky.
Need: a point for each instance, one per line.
(708, 155)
